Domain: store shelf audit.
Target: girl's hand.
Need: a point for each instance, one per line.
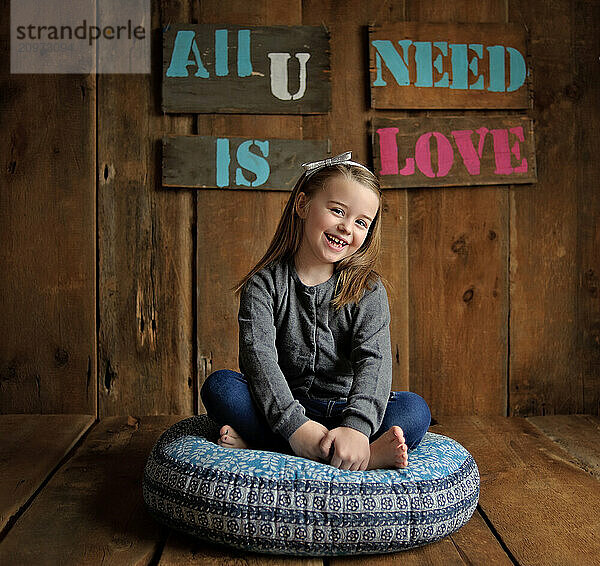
(352, 450)
(306, 439)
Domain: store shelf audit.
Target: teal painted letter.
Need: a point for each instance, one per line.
(423, 57)
(439, 63)
(496, 68)
(460, 77)
(243, 62)
(221, 63)
(253, 163)
(387, 53)
(478, 48)
(517, 69)
(184, 43)
(222, 162)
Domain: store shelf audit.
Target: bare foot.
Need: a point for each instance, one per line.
(230, 438)
(389, 450)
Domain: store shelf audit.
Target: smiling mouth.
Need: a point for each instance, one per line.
(335, 243)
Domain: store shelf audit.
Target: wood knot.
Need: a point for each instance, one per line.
(459, 246)
(573, 91)
(109, 377)
(491, 235)
(590, 282)
(468, 295)
(107, 174)
(594, 334)
(61, 356)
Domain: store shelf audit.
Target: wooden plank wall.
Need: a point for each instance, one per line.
(47, 239)
(554, 253)
(586, 90)
(495, 294)
(458, 293)
(146, 250)
(543, 238)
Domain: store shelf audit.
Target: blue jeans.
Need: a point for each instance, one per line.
(228, 400)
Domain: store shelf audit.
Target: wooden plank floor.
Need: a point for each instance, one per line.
(31, 446)
(70, 493)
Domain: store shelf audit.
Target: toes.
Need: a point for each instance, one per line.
(405, 459)
(225, 439)
(398, 433)
(228, 431)
(402, 456)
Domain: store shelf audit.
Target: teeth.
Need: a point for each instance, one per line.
(335, 240)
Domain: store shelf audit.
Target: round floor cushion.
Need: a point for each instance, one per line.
(274, 503)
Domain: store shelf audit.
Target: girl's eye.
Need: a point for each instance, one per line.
(336, 210)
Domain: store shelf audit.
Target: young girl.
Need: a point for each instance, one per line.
(314, 341)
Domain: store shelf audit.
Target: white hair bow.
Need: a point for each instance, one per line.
(343, 158)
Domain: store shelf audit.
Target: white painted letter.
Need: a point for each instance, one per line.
(279, 75)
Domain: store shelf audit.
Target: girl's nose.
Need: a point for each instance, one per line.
(342, 227)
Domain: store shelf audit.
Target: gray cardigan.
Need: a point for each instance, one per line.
(293, 343)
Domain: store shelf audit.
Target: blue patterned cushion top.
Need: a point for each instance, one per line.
(435, 457)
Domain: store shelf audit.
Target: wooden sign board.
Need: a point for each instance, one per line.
(453, 151)
(246, 69)
(206, 162)
(416, 65)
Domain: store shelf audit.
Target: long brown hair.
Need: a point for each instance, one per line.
(356, 271)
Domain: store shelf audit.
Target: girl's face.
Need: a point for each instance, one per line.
(336, 220)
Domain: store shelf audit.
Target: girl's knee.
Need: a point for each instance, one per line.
(416, 416)
(422, 409)
(213, 385)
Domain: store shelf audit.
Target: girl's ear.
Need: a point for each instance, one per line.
(301, 205)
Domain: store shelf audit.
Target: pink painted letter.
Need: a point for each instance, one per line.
(516, 149)
(444, 151)
(388, 150)
(471, 158)
(501, 152)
